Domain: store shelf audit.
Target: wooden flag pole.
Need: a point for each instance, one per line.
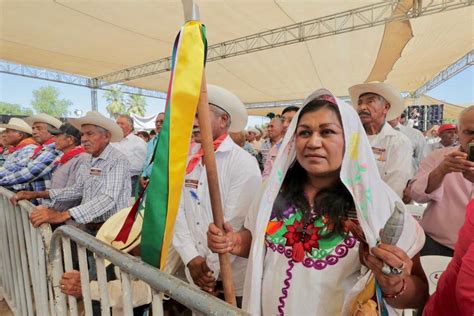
(191, 13)
(213, 183)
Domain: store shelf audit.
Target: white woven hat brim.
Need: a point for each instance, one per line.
(43, 118)
(112, 226)
(95, 118)
(18, 125)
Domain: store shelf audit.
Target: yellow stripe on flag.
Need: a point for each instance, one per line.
(184, 99)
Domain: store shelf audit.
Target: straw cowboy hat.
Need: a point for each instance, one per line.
(18, 125)
(230, 103)
(113, 225)
(390, 93)
(95, 118)
(43, 118)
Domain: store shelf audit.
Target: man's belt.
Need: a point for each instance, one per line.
(94, 226)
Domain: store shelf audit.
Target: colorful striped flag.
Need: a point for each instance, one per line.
(163, 192)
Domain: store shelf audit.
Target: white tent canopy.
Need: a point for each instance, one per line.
(94, 38)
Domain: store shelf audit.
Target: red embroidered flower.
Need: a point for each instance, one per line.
(301, 238)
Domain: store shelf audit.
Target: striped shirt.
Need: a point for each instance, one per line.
(64, 176)
(104, 185)
(18, 158)
(33, 173)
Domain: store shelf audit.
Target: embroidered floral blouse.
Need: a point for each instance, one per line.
(306, 269)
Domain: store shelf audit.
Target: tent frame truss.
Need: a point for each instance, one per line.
(461, 64)
(10, 68)
(343, 22)
(347, 21)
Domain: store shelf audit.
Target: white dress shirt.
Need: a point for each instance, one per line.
(239, 180)
(418, 143)
(393, 154)
(134, 148)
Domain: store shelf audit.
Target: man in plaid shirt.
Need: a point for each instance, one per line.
(17, 137)
(103, 180)
(33, 172)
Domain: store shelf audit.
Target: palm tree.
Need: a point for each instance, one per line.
(136, 104)
(116, 104)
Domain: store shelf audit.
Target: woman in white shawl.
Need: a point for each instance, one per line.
(323, 200)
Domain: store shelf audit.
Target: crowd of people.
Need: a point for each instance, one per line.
(304, 200)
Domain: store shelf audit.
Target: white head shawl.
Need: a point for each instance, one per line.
(373, 198)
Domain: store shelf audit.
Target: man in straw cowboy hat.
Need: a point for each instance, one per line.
(34, 174)
(239, 179)
(376, 103)
(66, 167)
(103, 180)
(18, 139)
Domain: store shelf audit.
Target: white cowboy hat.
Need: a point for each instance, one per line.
(390, 93)
(43, 118)
(230, 103)
(112, 226)
(95, 118)
(18, 125)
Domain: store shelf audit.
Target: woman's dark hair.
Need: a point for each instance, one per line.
(144, 134)
(333, 203)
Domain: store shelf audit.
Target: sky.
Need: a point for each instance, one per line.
(18, 90)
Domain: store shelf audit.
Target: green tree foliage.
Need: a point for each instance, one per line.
(116, 104)
(14, 109)
(46, 100)
(136, 104)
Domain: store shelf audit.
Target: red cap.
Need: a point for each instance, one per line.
(445, 127)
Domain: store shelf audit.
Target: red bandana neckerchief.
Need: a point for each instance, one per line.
(38, 149)
(23, 143)
(69, 155)
(197, 156)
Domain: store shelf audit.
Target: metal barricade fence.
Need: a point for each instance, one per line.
(29, 282)
(23, 248)
(130, 268)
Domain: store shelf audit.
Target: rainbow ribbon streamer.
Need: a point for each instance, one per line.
(163, 192)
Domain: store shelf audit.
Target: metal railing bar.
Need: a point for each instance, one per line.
(127, 294)
(6, 258)
(84, 270)
(72, 302)
(103, 289)
(57, 272)
(157, 304)
(42, 273)
(29, 252)
(14, 261)
(160, 281)
(24, 264)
